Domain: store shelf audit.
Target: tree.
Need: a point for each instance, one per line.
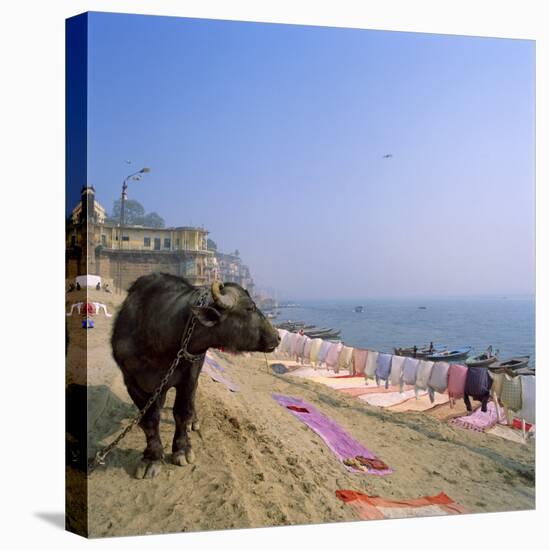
(152, 219)
(212, 245)
(134, 213)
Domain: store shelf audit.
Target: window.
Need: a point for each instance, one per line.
(104, 240)
(157, 243)
(177, 243)
(147, 242)
(167, 243)
(125, 238)
(73, 240)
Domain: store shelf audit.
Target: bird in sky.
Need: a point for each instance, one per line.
(388, 156)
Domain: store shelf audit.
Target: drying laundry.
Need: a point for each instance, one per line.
(368, 507)
(333, 355)
(511, 394)
(397, 366)
(315, 348)
(371, 364)
(477, 386)
(438, 381)
(528, 397)
(457, 375)
(345, 358)
(423, 375)
(307, 349)
(409, 371)
(360, 358)
(339, 441)
(383, 369)
(323, 351)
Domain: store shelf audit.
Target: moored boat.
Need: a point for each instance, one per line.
(418, 353)
(511, 364)
(483, 359)
(450, 355)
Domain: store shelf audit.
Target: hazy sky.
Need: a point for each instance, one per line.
(272, 137)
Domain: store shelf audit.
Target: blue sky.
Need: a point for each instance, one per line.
(272, 137)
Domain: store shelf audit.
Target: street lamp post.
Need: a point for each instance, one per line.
(123, 199)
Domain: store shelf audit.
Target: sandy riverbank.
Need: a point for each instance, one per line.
(259, 466)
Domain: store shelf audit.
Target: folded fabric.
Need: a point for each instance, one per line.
(511, 393)
(423, 375)
(324, 347)
(480, 421)
(397, 365)
(333, 355)
(215, 375)
(438, 381)
(409, 371)
(506, 432)
(338, 440)
(371, 364)
(315, 348)
(457, 375)
(387, 399)
(360, 357)
(420, 404)
(528, 410)
(345, 358)
(383, 369)
(297, 409)
(368, 507)
(366, 390)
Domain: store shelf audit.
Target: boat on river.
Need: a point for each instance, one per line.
(450, 355)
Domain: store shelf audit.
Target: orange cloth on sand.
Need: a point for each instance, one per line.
(373, 507)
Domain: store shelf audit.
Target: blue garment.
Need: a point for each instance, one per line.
(383, 369)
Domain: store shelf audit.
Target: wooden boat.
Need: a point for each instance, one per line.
(512, 364)
(482, 360)
(450, 355)
(359, 309)
(325, 333)
(418, 353)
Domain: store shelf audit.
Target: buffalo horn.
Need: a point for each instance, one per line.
(226, 301)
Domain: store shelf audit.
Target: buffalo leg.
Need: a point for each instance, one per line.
(151, 463)
(185, 417)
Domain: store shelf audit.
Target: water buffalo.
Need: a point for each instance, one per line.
(147, 336)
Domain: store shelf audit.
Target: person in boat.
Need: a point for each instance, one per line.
(431, 347)
(415, 351)
(78, 287)
(98, 286)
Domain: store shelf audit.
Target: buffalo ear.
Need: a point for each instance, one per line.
(208, 316)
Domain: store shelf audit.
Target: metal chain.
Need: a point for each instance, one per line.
(100, 456)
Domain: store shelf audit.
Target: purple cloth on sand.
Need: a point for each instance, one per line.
(218, 377)
(339, 441)
(480, 421)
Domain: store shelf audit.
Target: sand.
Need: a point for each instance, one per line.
(256, 465)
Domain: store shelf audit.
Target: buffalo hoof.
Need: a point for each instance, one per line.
(182, 458)
(147, 469)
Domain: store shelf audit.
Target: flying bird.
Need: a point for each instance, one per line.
(388, 156)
